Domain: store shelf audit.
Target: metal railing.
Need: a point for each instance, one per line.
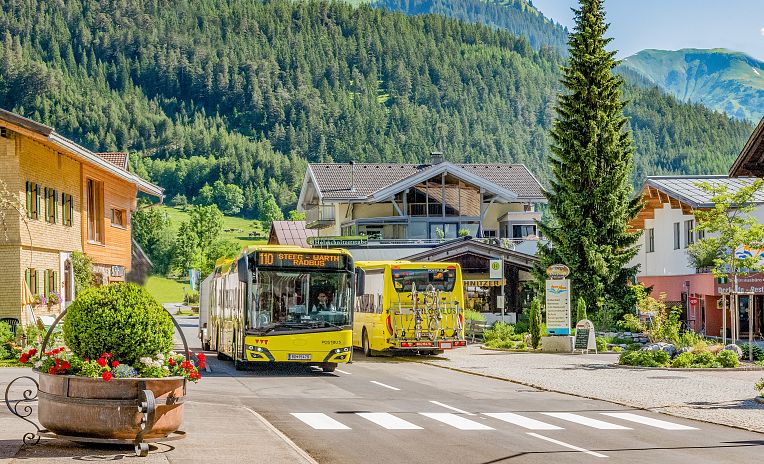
(319, 215)
(508, 243)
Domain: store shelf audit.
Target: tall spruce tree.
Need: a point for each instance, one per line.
(591, 159)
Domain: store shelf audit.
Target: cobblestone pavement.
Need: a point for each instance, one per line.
(720, 397)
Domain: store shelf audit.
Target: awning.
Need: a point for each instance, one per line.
(485, 283)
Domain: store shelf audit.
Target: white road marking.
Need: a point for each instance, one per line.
(383, 385)
(320, 421)
(661, 424)
(567, 445)
(344, 372)
(597, 424)
(451, 408)
(455, 421)
(388, 421)
(522, 421)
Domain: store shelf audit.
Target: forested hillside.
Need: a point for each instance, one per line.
(518, 17)
(248, 92)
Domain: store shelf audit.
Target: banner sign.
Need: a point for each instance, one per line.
(338, 241)
(558, 271)
(558, 307)
(321, 260)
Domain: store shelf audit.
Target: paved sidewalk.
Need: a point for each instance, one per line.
(219, 430)
(720, 397)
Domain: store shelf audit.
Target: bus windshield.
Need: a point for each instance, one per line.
(284, 300)
(440, 279)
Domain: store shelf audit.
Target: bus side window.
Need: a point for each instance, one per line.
(379, 307)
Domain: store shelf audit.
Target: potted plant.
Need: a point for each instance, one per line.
(53, 298)
(118, 344)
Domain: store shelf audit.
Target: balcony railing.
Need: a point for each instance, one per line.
(508, 243)
(319, 217)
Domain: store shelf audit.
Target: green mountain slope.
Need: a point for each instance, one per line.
(720, 79)
(519, 17)
(249, 92)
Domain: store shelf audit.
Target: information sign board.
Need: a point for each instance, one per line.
(558, 307)
(585, 338)
(321, 260)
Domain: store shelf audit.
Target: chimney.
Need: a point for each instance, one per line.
(436, 157)
(352, 176)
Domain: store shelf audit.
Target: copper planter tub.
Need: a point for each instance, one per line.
(84, 407)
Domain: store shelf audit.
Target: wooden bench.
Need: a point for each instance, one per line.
(476, 329)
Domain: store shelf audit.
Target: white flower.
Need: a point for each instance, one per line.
(160, 356)
(146, 360)
(38, 364)
(166, 368)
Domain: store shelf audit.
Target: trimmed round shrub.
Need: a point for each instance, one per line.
(644, 358)
(728, 358)
(122, 319)
(683, 360)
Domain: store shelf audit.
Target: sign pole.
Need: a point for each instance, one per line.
(724, 319)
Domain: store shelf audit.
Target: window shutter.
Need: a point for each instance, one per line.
(56, 285)
(55, 206)
(45, 283)
(29, 199)
(37, 201)
(71, 209)
(36, 281)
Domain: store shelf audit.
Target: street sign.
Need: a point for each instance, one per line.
(338, 241)
(495, 269)
(558, 271)
(500, 301)
(585, 339)
(558, 307)
(693, 301)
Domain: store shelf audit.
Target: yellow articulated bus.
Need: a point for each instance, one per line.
(280, 304)
(403, 306)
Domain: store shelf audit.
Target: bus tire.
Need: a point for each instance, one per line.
(365, 343)
(328, 367)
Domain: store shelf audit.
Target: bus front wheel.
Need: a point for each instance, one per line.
(365, 342)
(328, 367)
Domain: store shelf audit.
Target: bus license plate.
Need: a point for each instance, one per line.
(298, 357)
(445, 345)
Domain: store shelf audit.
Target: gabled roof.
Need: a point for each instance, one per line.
(290, 233)
(47, 135)
(448, 251)
(118, 159)
(686, 190)
(750, 162)
(377, 182)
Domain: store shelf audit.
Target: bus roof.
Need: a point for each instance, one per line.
(295, 249)
(405, 264)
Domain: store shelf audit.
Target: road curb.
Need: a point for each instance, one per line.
(281, 435)
(578, 395)
(687, 369)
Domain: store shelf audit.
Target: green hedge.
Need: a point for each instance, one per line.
(123, 319)
(644, 358)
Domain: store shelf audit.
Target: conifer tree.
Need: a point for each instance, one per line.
(591, 159)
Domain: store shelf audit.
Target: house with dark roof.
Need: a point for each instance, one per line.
(60, 198)
(292, 233)
(668, 223)
(436, 201)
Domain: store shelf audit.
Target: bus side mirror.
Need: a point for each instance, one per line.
(242, 265)
(360, 282)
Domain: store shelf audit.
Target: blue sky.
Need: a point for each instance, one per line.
(673, 24)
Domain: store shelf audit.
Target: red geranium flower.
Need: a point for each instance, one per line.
(171, 361)
(106, 376)
(66, 365)
(114, 363)
(106, 355)
(101, 362)
(23, 359)
(33, 352)
(52, 371)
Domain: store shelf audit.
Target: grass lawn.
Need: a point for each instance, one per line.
(234, 228)
(166, 290)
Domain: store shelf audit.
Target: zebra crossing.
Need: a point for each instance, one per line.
(498, 420)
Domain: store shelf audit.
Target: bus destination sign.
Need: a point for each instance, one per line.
(286, 259)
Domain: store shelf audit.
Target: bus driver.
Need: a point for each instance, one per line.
(324, 303)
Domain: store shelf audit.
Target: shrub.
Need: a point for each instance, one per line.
(631, 323)
(633, 346)
(727, 359)
(703, 359)
(617, 349)
(689, 338)
(601, 343)
(472, 315)
(499, 331)
(6, 333)
(122, 319)
(522, 327)
(644, 358)
(191, 298)
(684, 360)
(521, 346)
(758, 353)
(760, 386)
(535, 325)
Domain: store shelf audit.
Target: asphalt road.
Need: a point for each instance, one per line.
(384, 410)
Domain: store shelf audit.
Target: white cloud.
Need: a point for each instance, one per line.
(762, 31)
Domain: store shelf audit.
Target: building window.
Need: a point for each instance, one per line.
(32, 277)
(95, 211)
(67, 209)
(49, 282)
(677, 236)
(33, 200)
(701, 234)
(689, 233)
(523, 230)
(650, 240)
(51, 205)
(491, 233)
(118, 217)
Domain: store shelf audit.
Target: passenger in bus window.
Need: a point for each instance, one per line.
(324, 303)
